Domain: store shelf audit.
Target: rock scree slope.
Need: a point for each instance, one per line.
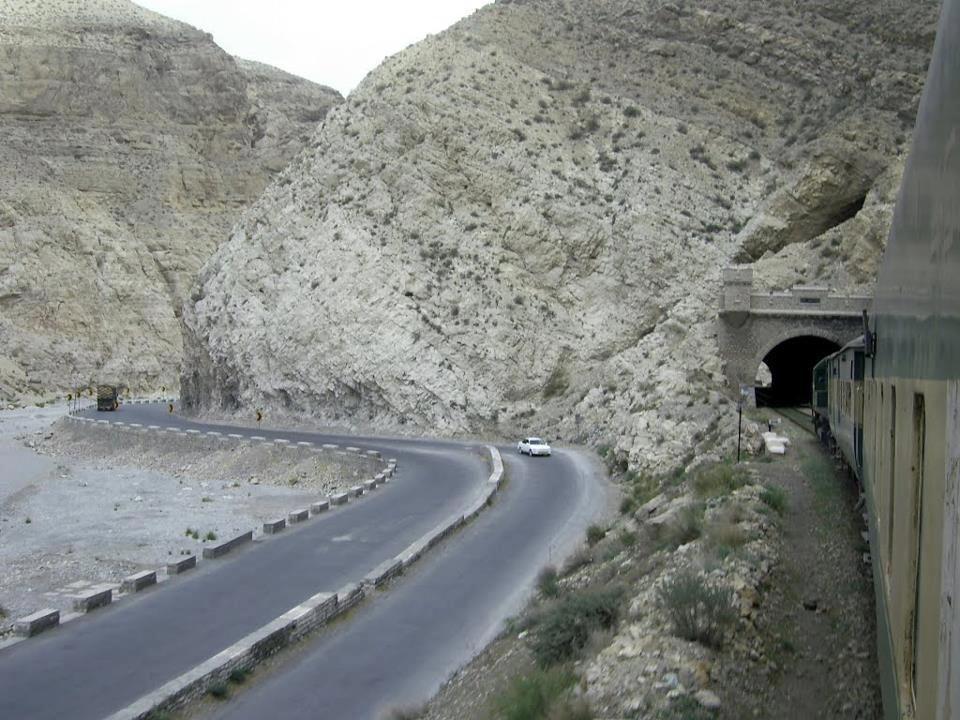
(131, 143)
(519, 223)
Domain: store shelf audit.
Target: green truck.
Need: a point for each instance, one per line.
(108, 397)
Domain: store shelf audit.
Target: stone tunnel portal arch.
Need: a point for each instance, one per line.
(791, 366)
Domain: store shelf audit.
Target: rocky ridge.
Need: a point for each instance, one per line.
(131, 144)
(521, 221)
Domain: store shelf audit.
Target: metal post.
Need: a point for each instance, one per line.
(739, 426)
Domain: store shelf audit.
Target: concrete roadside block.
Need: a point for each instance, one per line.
(187, 563)
(328, 446)
(373, 453)
(274, 526)
(215, 551)
(281, 441)
(353, 449)
(339, 499)
(93, 598)
(37, 622)
(356, 491)
(348, 596)
(444, 529)
(369, 485)
(304, 443)
(383, 572)
(380, 479)
(191, 431)
(242, 655)
(319, 507)
(412, 553)
(298, 515)
(138, 581)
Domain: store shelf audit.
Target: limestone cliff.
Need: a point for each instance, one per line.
(518, 225)
(131, 143)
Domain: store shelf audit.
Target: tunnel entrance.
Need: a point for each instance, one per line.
(791, 366)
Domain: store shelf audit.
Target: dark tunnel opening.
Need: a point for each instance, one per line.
(791, 367)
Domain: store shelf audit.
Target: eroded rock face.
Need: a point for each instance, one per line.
(518, 225)
(130, 144)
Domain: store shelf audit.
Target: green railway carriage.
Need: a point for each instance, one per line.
(893, 404)
(842, 382)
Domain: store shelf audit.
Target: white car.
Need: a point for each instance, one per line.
(533, 446)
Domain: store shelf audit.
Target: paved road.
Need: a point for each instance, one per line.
(100, 663)
(398, 649)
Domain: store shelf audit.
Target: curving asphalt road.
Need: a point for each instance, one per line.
(396, 650)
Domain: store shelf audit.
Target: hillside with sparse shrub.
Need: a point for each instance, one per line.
(520, 223)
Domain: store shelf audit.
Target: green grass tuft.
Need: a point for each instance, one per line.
(538, 695)
(775, 498)
(698, 611)
(564, 628)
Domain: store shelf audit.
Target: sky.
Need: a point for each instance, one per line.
(331, 43)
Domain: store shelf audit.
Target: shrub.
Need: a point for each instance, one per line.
(565, 627)
(689, 527)
(631, 111)
(775, 498)
(211, 535)
(725, 536)
(628, 505)
(570, 709)
(547, 582)
(530, 697)
(579, 559)
(627, 538)
(595, 534)
(219, 691)
(719, 479)
(698, 611)
(239, 676)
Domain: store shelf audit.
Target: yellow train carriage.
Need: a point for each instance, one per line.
(896, 417)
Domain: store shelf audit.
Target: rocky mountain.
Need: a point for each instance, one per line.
(519, 224)
(131, 143)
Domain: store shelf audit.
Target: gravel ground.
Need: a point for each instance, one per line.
(82, 504)
(817, 657)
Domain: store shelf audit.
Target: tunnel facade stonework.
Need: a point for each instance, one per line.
(752, 324)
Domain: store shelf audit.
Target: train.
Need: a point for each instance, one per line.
(890, 403)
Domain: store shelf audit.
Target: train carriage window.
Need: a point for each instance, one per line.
(919, 433)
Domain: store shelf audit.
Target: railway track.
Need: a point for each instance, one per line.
(800, 417)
